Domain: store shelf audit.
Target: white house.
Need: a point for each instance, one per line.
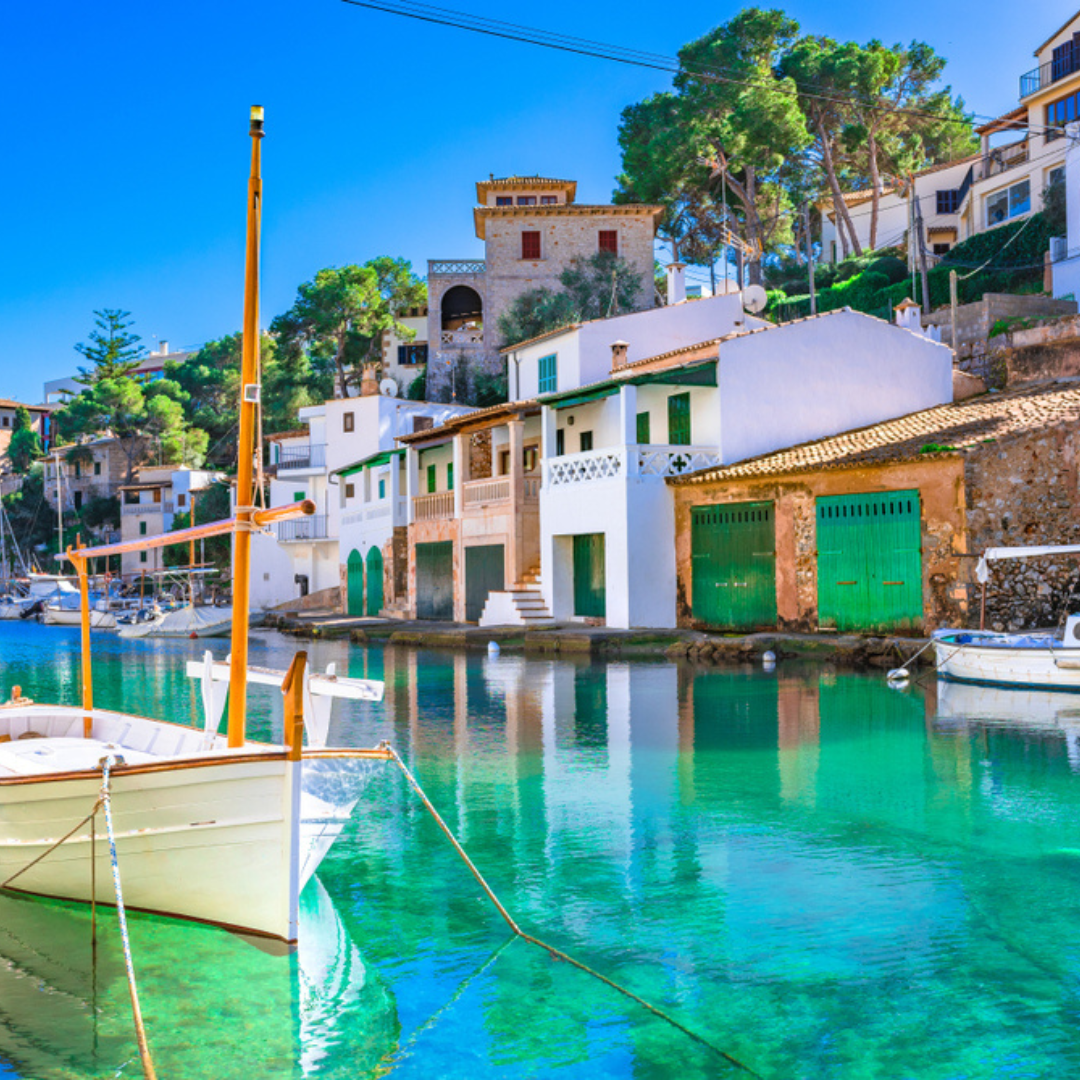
(1066, 265)
(607, 541)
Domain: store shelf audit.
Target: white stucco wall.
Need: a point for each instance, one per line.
(821, 376)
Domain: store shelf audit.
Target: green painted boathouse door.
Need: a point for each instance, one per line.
(484, 573)
(435, 580)
(374, 580)
(733, 565)
(590, 592)
(870, 561)
(354, 583)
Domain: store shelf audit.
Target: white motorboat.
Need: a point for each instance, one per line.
(184, 622)
(207, 826)
(67, 611)
(1041, 660)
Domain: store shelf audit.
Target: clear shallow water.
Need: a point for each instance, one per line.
(824, 876)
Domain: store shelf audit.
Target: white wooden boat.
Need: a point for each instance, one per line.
(1040, 660)
(61, 613)
(209, 827)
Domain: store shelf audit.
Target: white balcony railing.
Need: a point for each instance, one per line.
(494, 489)
(625, 461)
(439, 504)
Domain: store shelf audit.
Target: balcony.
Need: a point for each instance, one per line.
(1001, 160)
(295, 456)
(496, 491)
(302, 530)
(1049, 73)
(628, 461)
(455, 267)
(165, 507)
(439, 504)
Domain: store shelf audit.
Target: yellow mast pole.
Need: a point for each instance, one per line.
(79, 562)
(249, 393)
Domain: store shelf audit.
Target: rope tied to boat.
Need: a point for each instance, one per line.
(551, 950)
(136, 1011)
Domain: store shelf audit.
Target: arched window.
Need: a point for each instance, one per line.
(462, 309)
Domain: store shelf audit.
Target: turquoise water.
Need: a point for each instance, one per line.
(824, 876)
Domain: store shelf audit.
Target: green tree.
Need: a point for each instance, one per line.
(113, 347)
(535, 312)
(32, 523)
(336, 324)
(601, 286)
(210, 505)
(25, 446)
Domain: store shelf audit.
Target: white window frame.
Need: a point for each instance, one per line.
(1006, 193)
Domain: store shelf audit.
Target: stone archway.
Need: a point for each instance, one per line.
(461, 309)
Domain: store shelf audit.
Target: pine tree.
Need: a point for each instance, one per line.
(113, 349)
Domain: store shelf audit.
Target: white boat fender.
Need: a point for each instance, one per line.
(768, 657)
(900, 674)
(493, 649)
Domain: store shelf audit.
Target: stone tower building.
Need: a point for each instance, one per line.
(531, 228)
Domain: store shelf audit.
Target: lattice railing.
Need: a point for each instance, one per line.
(673, 460)
(456, 266)
(462, 337)
(581, 468)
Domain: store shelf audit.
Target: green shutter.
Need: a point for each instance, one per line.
(354, 577)
(450, 477)
(643, 429)
(590, 593)
(432, 482)
(299, 496)
(382, 489)
(142, 528)
(733, 565)
(678, 420)
(548, 374)
(869, 561)
(484, 573)
(374, 580)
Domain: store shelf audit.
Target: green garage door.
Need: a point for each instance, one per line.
(484, 573)
(435, 580)
(870, 561)
(590, 592)
(374, 580)
(354, 581)
(733, 565)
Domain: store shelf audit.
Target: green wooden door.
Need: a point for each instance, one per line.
(590, 594)
(678, 420)
(484, 573)
(435, 580)
(870, 561)
(733, 565)
(354, 582)
(374, 580)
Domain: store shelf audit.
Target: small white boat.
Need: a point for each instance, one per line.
(66, 611)
(185, 622)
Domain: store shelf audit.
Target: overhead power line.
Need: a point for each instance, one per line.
(549, 39)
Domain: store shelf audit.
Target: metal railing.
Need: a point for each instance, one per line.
(447, 267)
(300, 529)
(1002, 159)
(301, 456)
(439, 504)
(1047, 74)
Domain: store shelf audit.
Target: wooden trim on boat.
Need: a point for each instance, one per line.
(149, 767)
(375, 754)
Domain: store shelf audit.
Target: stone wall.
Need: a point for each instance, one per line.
(1040, 353)
(1024, 492)
(974, 322)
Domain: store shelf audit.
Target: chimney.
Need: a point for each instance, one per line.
(369, 384)
(676, 283)
(164, 348)
(618, 354)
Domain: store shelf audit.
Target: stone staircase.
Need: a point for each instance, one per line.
(520, 605)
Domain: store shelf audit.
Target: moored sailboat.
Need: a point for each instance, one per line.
(208, 826)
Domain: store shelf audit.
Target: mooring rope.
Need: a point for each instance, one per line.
(136, 1011)
(48, 851)
(550, 949)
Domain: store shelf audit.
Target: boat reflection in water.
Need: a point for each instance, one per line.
(214, 1005)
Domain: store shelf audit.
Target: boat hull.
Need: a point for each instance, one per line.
(99, 620)
(215, 839)
(1000, 665)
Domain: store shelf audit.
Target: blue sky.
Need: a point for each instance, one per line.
(126, 153)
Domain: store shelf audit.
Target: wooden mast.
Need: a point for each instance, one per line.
(249, 396)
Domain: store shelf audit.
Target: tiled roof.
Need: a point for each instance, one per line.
(7, 403)
(280, 436)
(565, 329)
(456, 423)
(961, 427)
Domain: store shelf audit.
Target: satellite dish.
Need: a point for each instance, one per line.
(754, 299)
(388, 387)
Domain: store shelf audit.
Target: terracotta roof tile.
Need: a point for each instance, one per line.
(962, 427)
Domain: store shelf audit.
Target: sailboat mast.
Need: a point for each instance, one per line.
(249, 397)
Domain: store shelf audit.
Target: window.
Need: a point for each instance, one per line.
(560, 442)
(526, 200)
(142, 528)
(504, 462)
(78, 500)
(410, 355)
(432, 481)
(549, 374)
(1009, 203)
(530, 245)
(585, 441)
(181, 499)
(942, 249)
(531, 458)
(78, 469)
(157, 495)
(678, 420)
(382, 488)
(131, 498)
(948, 202)
(643, 429)
(1061, 112)
(422, 423)
(7, 421)
(548, 200)
(142, 556)
(609, 241)
(504, 200)
(299, 496)
(350, 491)
(348, 421)
(450, 477)
(97, 468)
